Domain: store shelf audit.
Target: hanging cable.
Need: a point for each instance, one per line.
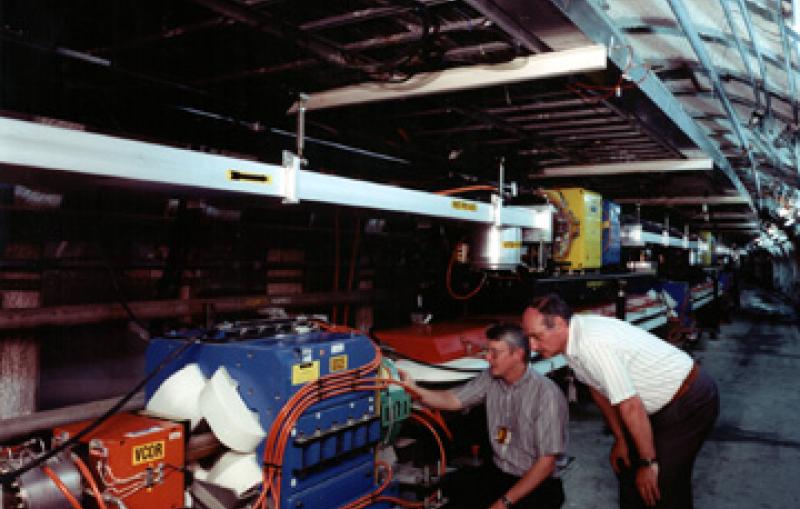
(449, 280)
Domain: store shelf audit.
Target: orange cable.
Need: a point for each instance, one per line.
(442, 455)
(291, 411)
(436, 417)
(449, 281)
(401, 502)
(52, 475)
(466, 189)
(90, 480)
(367, 499)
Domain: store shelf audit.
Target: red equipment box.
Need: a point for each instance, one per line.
(136, 459)
(438, 342)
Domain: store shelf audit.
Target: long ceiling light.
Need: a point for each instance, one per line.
(532, 67)
(655, 166)
(687, 200)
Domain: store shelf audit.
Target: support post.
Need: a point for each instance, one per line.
(19, 351)
(621, 299)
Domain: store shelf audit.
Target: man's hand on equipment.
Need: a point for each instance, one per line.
(619, 456)
(647, 484)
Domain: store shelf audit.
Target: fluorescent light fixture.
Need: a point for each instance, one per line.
(532, 67)
(656, 166)
(688, 200)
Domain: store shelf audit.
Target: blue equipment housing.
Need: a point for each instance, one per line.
(329, 461)
(612, 240)
(681, 293)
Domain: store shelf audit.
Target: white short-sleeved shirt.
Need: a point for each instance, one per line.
(621, 360)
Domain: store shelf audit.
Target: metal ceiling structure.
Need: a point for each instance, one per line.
(695, 108)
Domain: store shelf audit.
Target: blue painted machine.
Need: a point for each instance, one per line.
(612, 240)
(329, 458)
(680, 292)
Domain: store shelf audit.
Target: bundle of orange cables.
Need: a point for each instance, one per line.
(355, 380)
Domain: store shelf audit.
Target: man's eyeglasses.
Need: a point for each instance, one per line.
(495, 353)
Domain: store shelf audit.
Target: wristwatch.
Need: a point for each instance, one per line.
(648, 462)
(506, 502)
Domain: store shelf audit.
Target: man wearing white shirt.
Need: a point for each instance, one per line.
(659, 404)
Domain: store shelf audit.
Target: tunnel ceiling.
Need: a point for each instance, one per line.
(710, 80)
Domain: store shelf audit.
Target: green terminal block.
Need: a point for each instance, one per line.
(395, 408)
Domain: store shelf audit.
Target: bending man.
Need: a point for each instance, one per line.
(659, 404)
(526, 416)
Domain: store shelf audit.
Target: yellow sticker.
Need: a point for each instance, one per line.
(256, 178)
(464, 205)
(512, 244)
(305, 372)
(337, 363)
(151, 451)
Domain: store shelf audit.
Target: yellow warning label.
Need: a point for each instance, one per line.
(257, 178)
(512, 244)
(337, 363)
(464, 205)
(305, 372)
(145, 453)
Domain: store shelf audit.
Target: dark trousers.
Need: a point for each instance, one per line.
(479, 488)
(679, 430)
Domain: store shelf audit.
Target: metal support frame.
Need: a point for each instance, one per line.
(31, 146)
(790, 78)
(509, 24)
(301, 125)
(748, 23)
(597, 26)
(685, 21)
(291, 167)
(742, 54)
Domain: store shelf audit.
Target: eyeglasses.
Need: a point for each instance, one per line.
(494, 353)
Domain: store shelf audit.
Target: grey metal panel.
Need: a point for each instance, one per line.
(600, 29)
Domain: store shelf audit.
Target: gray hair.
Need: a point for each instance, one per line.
(512, 335)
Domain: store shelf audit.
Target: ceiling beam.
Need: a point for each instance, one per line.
(655, 166)
(544, 65)
(687, 200)
(596, 24)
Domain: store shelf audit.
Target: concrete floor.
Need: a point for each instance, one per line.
(752, 459)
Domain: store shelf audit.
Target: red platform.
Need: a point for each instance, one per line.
(438, 342)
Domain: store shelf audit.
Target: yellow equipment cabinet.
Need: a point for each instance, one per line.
(581, 245)
(707, 257)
